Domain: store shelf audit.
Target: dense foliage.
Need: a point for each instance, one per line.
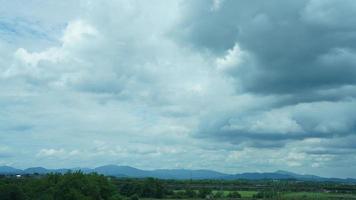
(79, 186)
(148, 188)
(70, 186)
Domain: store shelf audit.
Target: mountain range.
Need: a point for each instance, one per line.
(127, 171)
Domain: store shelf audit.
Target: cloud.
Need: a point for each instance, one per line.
(76, 32)
(50, 152)
(280, 53)
(285, 44)
(279, 126)
(330, 13)
(196, 84)
(32, 59)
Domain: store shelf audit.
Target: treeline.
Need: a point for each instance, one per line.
(79, 186)
(264, 185)
(146, 188)
(69, 186)
(155, 188)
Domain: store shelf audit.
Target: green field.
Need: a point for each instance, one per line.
(247, 194)
(297, 195)
(294, 196)
(316, 195)
(244, 194)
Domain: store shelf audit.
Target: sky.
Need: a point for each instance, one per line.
(228, 85)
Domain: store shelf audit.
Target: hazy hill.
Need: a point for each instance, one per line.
(34, 170)
(127, 171)
(9, 170)
(114, 170)
(187, 174)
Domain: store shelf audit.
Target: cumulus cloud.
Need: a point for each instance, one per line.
(297, 122)
(287, 53)
(223, 81)
(286, 46)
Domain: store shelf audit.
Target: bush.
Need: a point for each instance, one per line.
(234, 194)
(204, 192)
(134, 197)
(189, 193)
(116, 197)
(265, 195)
(179, 195)
(219, 194)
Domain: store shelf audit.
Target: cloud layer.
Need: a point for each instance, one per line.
(239, 85)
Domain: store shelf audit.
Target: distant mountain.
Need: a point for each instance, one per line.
(61, 171)
(84, 170)
(36, 170)
(259, 176)
(127, 171)
(9, 170)
(120, 171)
(187, 174)
(299, 176)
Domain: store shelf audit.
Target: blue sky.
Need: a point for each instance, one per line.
(228, 85)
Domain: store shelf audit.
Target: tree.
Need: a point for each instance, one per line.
(204, 192)
(190, 193)
(11, 192)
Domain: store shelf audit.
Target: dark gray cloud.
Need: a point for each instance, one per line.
(298, 46)
(279, 126)
(302, 53)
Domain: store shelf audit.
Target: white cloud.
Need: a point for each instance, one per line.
(269, 122)
(32, 59)
(50, 152)
(77, 31)
(232, 59)
(216, 4)
(57, 153)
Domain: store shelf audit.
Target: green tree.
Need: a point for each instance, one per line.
(204, 192)
(11, 192)
(189, 193)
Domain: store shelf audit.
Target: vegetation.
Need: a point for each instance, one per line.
(79, 186)
(70, 186)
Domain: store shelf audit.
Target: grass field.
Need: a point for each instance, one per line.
(244, 194)
(299, 195)
(247, 194)
(316, 195)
